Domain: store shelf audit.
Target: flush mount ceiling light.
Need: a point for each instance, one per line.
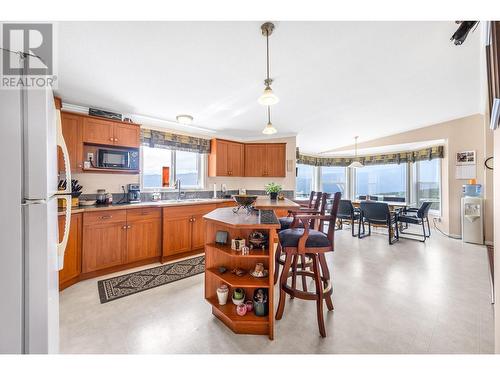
(184, 119)
(355, 163)
(268, 98)
(269, 129)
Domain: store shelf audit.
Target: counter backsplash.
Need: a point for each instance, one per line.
(146, 197)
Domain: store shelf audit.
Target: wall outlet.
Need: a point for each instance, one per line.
(90, 156)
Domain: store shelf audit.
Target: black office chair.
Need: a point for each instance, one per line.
(378, 213)
(418, 216)
(347, 212)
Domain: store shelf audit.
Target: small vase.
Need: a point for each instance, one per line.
(273, 196)
(222, 293)
(241, 309)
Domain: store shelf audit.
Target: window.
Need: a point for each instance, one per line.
(333, 179)
(162, 167)
(381, 180)
(304, 181)
(427, 182)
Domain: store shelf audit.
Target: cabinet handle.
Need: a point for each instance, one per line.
(194, 219)
(116, 139)
(111, 139)
(124, 227)
(129, 226)
(106, 217)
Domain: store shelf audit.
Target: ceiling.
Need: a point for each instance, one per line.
(335, 80)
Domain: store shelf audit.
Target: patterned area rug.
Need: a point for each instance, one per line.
(135, 282)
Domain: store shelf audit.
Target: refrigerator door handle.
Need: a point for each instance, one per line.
(61, 246)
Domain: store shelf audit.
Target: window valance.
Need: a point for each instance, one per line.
(392, 158)
(160, 139)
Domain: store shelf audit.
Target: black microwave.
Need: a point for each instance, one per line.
(117, 158)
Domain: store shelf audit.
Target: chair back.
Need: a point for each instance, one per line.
(394, 199)
(375, 211)
(332, 208)
(315, 200)
(362, 197)
(371, 198)
(423, 211)
(346, 209)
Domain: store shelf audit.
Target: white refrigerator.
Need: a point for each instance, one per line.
(31, 254)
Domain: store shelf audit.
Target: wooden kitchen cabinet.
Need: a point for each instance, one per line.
(143, 234)
(265, 160)
(226, 158)
(112, 133)
(104, 239)
(72, 256)
(184, 228)
(72, 127)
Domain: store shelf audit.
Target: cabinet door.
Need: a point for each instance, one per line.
(235, 159)
(143, 234)
(198, 225)
(255, 160)
(72, 132)
(276, 160)
(126, 135)
(104, 239)
(222, 167)
(72, 256)
(98, 131)
(176, 231)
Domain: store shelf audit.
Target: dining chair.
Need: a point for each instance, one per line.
(418, 216)
(347, 212)
(378, 213)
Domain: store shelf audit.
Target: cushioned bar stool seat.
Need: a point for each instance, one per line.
(291, 237)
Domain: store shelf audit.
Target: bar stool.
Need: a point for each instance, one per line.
(318, 204)
(313, 243)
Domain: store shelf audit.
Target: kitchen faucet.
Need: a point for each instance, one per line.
(178, 187)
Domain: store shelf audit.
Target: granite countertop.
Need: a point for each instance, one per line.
(264, 202)
(163, 203)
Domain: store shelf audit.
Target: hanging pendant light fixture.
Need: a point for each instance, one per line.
(355, 163)
(268, 98)
(269, 129)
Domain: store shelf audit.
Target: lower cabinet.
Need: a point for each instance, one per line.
(104, 239)
(73, 255)
(117, 237)
(143, 234)
(184, 229)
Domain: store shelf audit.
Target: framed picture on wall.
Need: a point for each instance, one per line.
(466, 158)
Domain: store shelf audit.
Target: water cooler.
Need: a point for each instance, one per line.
(472, 214)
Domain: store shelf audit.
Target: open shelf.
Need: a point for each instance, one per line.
(245, 281)
(254, 253)
(229, 310)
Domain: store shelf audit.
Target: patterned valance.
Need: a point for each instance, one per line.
(393, 158)
(156, 138)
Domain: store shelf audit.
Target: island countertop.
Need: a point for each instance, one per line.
(265, 203)
(257, 219)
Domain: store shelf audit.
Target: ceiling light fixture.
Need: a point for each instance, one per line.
(184, 119)
(268, 98)
(355, 163)
(269, 129)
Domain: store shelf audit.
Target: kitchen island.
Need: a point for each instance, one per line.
(222, 262)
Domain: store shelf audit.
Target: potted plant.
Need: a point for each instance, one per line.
(273, 189)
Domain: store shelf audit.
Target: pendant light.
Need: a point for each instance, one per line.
(268, 98)
(355, 163)
(269, 129)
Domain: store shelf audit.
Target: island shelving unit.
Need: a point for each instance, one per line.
(240, 225)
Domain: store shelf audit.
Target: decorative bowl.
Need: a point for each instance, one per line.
(245, 200)
(238, 301)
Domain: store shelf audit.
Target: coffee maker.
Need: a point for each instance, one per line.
(134, 193)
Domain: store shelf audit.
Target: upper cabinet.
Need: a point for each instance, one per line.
(265, 160)
(72, 133)
(226, 158)
(112, 133)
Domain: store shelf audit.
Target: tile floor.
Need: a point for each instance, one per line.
(406, 298)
